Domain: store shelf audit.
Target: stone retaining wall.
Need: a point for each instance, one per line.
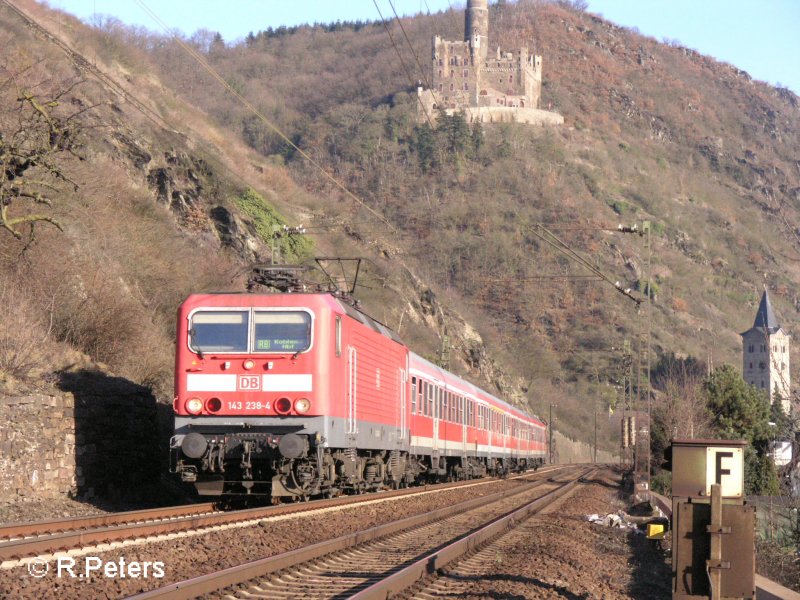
(96, 436)
(37, 446)
(572, 451)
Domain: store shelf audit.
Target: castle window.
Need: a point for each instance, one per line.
(466, 86)
(441, 62)
(510, 79)
(751, 365)
(452, 87)
(440, 72)
(466, 72)
(452, 73)
(750, 348)
(762, 384)
(441, 87)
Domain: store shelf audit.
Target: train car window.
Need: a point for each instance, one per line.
(429, 401)
(445, 412)
(413, 395)
(425, 398)
(338, 335)
(219, 331)
(282, 331)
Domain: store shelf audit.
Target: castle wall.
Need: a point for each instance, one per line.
(504, 114)
(455, 81)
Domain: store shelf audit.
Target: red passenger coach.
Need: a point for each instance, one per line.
(303, 395)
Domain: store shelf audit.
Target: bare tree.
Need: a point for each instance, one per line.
(37, 135)
(681, 406)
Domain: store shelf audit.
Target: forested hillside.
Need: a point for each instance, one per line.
(653, 131)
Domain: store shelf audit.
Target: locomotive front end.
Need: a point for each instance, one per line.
(248, 394)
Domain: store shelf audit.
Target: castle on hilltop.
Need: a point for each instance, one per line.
(505, 87)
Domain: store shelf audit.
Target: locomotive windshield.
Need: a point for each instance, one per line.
(282, 331)
(219, 331)
(228, 331)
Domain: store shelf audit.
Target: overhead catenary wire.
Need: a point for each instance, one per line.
(402, 62)
(422, 70)
(542, 233)
(257, 113)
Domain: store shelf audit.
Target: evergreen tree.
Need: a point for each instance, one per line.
(424, 145)
(740, 411)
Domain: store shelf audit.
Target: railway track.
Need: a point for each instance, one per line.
(23, 541)
(381, 561)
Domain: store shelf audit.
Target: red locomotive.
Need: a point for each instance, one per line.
(299, 395)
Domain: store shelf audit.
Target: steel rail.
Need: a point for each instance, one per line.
(427, 566)
(236, 575)
(9, 531)
(73, 537)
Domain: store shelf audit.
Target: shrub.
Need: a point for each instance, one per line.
(23, 337)
(268, 223)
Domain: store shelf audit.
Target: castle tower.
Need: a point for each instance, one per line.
(765, 353)
(476, 28)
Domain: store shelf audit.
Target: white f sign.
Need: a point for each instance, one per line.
(725, 466)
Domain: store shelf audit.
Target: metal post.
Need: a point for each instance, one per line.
(550, 424)
(648, 325)
(715, 564)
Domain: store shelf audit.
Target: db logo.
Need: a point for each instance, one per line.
(249, 382)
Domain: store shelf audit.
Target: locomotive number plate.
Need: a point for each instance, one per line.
(249, 383)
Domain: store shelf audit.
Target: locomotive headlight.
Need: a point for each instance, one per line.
(302, 405)
(213, 405)
(194, 406)
(283, 406)
(248, 364)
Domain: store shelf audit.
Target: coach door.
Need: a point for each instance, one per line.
(352, 391)
(437, 407)
(504, 426)
(403, 409)
(462, 416)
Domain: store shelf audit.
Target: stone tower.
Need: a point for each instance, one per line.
(476, 29)
(765, 353)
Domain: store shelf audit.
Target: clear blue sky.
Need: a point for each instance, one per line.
(762, 37)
